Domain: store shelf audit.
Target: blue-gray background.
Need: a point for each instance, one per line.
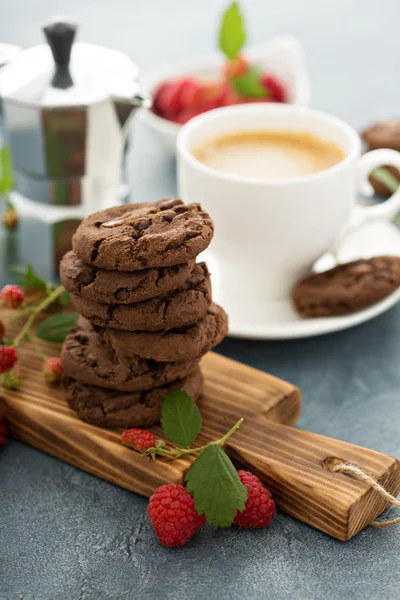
(81, 538)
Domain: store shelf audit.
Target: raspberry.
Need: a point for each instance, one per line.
(173, 516)
(191, 93)
(8, 358)
(12, 379)
(166, 99)
(274, 87)
(12, 296)
(2, 331)
(138, 439)
(53, 370)
(259, 507)
(3, 430)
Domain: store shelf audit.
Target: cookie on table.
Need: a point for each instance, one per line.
(86, 358)
(140, 236)
(119, 287)
(348, 287)
(177, 309)
(186, 343)
(109, 408)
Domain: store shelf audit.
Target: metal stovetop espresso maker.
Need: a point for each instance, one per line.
(67, 109)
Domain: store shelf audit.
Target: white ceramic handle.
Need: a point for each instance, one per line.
(380, 212)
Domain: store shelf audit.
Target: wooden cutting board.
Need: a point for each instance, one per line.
(287, 459)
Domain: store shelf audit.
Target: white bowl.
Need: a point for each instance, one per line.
(280, 56)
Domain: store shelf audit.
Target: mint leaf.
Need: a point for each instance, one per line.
(216, 487)
(6, 176)
(232, 34)
(180, 418)
(249, 84)
(27, 278)
(55, 328)
(386, 177)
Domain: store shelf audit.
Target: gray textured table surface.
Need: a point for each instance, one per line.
(67, 535)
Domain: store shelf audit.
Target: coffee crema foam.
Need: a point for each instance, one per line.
(269, 154)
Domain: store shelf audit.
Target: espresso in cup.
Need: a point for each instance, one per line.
(269, 154)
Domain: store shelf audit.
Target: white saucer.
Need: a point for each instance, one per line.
(277, 320)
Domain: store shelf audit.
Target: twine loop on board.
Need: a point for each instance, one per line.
(337, 465)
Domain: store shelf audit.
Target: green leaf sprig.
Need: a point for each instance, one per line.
(41, 294)
(232, 33)
(212, 479)
(232, 37)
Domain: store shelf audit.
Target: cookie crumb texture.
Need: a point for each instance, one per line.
(177, 309)
(88, 359)
(119, 287)
(112, 408)
(139, 236)
(179, 344)
(348, 287)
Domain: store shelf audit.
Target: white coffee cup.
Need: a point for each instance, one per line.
(269, 233)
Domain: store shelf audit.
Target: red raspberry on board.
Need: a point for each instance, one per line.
(259, 507)
(12, 296)
(274, 87)
(3, 430)
(53, 370)
(173, 516)
(2, 331)
(8, 358)
(12, 379)
(138, 439)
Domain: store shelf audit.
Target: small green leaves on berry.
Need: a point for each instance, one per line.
(180, 418)
(12, 379)
(232, 34)
(250, 84)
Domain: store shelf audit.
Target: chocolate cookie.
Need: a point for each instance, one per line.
(348, 287)
(177, 309)
(109, 408)
(139, 236)
(88, 359)
(383, 134)
(119, 287)
(186, 343)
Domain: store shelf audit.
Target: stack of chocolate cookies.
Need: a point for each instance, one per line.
(147, 315)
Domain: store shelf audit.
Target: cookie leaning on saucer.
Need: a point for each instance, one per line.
(86, 358)
(348, 287)
(111, 408)
(177, 309)
(139, 236)
(119, 287)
